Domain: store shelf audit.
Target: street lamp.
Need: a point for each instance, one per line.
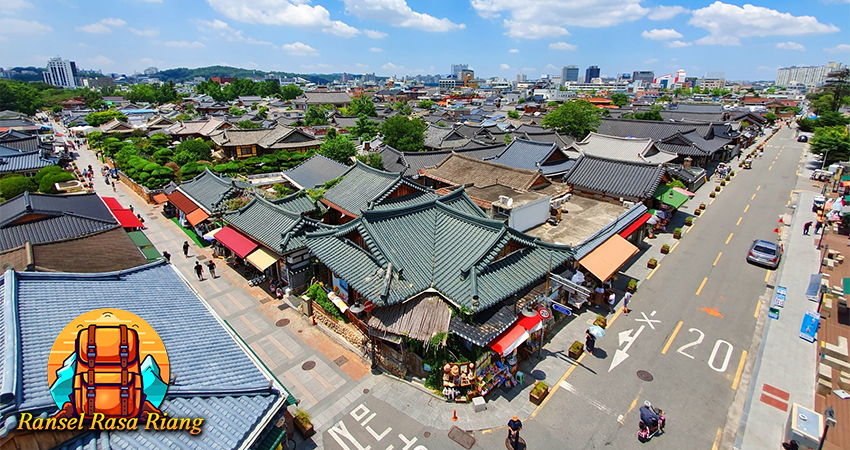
(829, 415)
(823, 164)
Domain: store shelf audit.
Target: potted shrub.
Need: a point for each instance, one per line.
(575, 350)
(712, 194)
(651, 263)
(702, 206)
(723, 182)
(632, 287)
(538, 392)
(732, 173)
(302, 422)
(696, 213)
(689, 221)
(717, 188)
(740, 165)
(601, 321)
(677, 233)
(665, 249)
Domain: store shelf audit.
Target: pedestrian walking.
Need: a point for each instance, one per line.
(211, 267)
(626, 298)
(114, 189)
(612, 299)
(186, 248)
(514, 425)
(818, 227)
(131, 208)
(806, 227)
(167, 256)
(589, 341)
(199, 269)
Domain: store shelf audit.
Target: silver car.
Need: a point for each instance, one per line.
(765, 253)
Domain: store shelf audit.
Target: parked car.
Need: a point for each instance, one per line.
(802, 138)
(765, 253)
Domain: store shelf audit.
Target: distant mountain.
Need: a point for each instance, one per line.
(184, 74)
(25, 73)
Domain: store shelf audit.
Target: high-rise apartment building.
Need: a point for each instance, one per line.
(644, 76)
(458, 68)
(569, 74)
(61, 72)
(810, 76)
(591, 73)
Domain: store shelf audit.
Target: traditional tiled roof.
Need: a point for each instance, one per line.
(24, 161)
(442, 138)
(210, 191)
(615, 178)
(409, 163)
(617, 225)
(274, 226)
(624, 149)
(530, 155)
(460, 170)
(362, 187)
(204, 127)
(234, 402)
(434, 246)
(115, 125)
(25, 143)
(297, 203)
(314, 171)
(655, 130)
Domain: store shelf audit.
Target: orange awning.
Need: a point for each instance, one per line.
(160, 198)
(197, 216)
(607, 259)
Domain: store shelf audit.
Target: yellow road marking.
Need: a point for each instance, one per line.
(653, 271)
(729, 238)
(631, 407)
(758, 187)
(555, 387)
(716, 439)
(739, 371)
(690, 228)
(739, 220)
(673, 247)
(717, 259)
(672, 336)
(771, 167)
(701, 285)
(758, 308)
(712, 200)
(617, 314)
(753, 197)
(746, 208)
(766, 276)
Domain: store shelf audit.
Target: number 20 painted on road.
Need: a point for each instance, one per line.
(713, 358)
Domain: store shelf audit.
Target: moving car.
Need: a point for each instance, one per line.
(765, 253)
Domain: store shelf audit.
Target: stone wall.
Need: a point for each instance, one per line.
(348, 332)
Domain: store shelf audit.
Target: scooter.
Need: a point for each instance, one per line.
(647, 431)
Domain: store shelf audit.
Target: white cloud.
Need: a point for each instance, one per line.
(768, 68)
(728, 24)
(374, 34)
(296, 13)
(252, 64)
(661, 34)
(513, 50)
(547, 18)
(840, 48)
(666, 12)
(299, 49)
(650, 61)
(376, 49)
(150, 32)
(504, 66)
(14, 6)
(399, 14)
(226, 32)
(18, 26)
(790, 46)
(561, 46)
(99, 60)
(677, 44)
(104, 26)
(183, 44)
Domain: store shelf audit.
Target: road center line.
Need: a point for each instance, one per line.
(717, 259)
(739, 220)
(739, 371)
(758, 308)
(729, 238)
(771, 167)
(653, 271)
(758, 187)
(753, 197)
(746, 209)
(701, 285)
(672, 336)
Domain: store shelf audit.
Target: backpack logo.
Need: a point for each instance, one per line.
(108, 364)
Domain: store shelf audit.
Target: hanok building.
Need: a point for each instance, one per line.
(314, 171)
(237, 143)
(443, 138)
(198, 129)
(623, 149)
(316, 98)
(415, 263)
(116, 126)
(615, 180)
(548, 158)
(23, 163)
(239, 404)
(364, 188)
(410, 163)
(195, 201)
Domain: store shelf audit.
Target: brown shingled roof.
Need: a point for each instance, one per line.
(460, 170)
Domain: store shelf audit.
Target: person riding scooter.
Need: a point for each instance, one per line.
(651, 422)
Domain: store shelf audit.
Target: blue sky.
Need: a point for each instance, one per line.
(398, 37)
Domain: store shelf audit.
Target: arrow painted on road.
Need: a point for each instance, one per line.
(628, 338)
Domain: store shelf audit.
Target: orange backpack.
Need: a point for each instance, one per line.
(108, 377)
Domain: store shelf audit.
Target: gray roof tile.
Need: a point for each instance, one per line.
(363, 186)
(531, 155)
(24, 161)
(615, 178)
(277, 228)
(617, 225)
(210, 190)
(314, 171)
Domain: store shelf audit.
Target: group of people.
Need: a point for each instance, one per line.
(199, 268)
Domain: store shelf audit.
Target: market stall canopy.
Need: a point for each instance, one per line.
(160, 198)
(669, 196)
(846, 284)
(261, 258)
(139, 239)
(518, 333)
(126, 218)
(235, 241)
(606, 259)
(635, 225)
(419, 319)
(684, 191)
(211, 235)
(181, 202)
(197, 216)
(112, 203)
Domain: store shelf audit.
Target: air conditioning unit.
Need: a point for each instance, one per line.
(627, 204)
(505, 200)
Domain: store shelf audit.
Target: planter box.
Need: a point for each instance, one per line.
(677, 235)
(665, 250)
(538, 399)
(697, 212)
(574, 355)
(306, 429)
(651, 265)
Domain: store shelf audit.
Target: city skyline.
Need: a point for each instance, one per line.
(494, 38)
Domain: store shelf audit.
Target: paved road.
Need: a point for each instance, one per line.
(692, 320)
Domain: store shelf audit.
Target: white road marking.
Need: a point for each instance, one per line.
(593, 402)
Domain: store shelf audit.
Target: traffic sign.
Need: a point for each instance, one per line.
(561, 309)
(545, 314)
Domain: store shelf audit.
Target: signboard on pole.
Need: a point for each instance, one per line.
(561, 309)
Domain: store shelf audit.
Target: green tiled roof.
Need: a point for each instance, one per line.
(297, 203)
(437, 245)
(276, 228)
(362, 187)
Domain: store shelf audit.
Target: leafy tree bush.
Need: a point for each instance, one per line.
(163, 156)
(426, 104)
(316, 115)
(46, 185)
(96, 119)
(620, 99)
(362, 106)
(404, 134)
(832, 142)
(197, 148)
(15, 185)
(318, 294)
(247, 125)
(290, 92)
(364, 128)
(513, 114)
(576, 118)
(338, 148)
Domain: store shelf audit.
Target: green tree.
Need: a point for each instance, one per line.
(362, 106)
(15, 185)
(832, 142)
(19, 96)
(440, 124)
(290, 91)
(48, 176)
(268, 88)
(316, 115)
(96, 119)
(838, 85)
(141, 93)
(376, 161)
(508, 139)
(196, 148)
(652, 114)
(513, 114)
(93, 99)
(426, 104)
(331, 133)
(620, 99)
(364, 128)
(263, 112)
(664, 98)
(404, 134)
(823, 104)
(165, 93)
(338, 148)
(576, 118)
(247, 125)
(770, 117)
(237, 111)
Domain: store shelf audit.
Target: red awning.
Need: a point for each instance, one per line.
(181, 202)
(160, 198)
(235, 241)
(635, 225)
(126, 218)
(197, 216)
(684, 191)
(516, 334)
(112, 203)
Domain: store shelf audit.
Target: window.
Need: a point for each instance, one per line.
(245, 151)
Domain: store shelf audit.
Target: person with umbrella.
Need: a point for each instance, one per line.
(589, 341)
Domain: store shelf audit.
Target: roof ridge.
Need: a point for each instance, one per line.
(99, 275)
(619, 161)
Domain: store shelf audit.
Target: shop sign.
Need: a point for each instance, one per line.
(779, 297)
(561, 309)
